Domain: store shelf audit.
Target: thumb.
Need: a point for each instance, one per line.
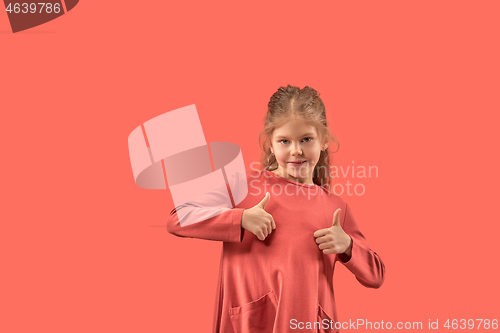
(336, 218)
(264, 201)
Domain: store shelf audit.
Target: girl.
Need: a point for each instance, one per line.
(281, 243)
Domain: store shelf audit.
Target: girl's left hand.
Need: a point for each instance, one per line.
(334, 240)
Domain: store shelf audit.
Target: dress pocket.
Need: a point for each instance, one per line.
(255, 317)
(327, 324)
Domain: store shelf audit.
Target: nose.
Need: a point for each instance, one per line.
(296, 151)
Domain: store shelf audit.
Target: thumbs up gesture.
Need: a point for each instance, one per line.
(334, 240)
(257, 220)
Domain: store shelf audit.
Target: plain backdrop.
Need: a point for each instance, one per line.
(410, 87)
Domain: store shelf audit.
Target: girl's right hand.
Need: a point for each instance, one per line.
(257, 220)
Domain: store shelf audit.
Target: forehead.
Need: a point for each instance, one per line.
(294, 128)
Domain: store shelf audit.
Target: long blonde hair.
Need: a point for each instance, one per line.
(292, 102)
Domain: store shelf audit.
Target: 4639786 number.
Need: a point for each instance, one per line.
(471, 324)
(34, 8)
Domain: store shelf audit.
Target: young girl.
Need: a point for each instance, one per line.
(281, 243)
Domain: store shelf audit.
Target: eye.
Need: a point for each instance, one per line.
(305, 140)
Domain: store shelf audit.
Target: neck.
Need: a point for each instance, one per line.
(279, 172)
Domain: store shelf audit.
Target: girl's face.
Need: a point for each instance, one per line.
(296, 141)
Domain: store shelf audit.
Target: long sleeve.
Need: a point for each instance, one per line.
(364, 263)
(209, 216)
(224, 227)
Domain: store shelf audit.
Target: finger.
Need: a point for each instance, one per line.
(321, 232)
(272, 221)
(269, 227)
(265, 231)
(260, 235)
(325, 246)
(336, 218)
(330, 251)
(323, 239)
(262, 204)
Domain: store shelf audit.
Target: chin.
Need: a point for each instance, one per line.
(297, 173)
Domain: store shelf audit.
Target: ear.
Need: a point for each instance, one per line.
(324, 143)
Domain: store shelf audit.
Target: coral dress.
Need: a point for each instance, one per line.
(284, 283)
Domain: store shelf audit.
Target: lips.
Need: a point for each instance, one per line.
(297, 163)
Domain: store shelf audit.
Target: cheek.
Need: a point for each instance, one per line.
(281, 153)
(316, 155)
(281, 157)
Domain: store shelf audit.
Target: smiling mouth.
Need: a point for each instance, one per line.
(297, 163)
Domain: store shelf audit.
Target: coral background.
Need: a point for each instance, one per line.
(410, 87)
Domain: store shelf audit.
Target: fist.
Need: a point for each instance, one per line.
(257, 220)
(334, 240)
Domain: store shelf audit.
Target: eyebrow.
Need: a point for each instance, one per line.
(282, 136)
